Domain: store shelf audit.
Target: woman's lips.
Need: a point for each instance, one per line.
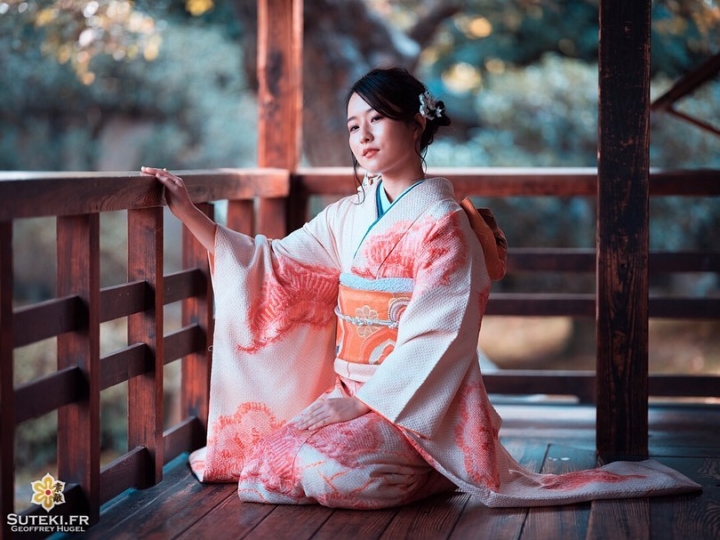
(370, 152)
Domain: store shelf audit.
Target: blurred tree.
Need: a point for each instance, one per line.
(456, 42)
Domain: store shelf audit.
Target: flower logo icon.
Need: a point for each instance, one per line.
(48, 492)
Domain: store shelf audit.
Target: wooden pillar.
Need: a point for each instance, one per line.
(280, 32)
(78, 440)
(145, 392)
(622, 229)
(7, 392)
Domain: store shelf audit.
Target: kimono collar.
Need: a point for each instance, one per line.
(383, 202)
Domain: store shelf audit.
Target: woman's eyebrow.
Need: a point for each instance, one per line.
(369, 109)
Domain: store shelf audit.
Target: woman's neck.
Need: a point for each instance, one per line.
(394, 186)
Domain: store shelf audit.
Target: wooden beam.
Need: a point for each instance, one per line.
(279, 71)
(688, 83)
(622, 229)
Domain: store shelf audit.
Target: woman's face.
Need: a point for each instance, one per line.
(381, 145)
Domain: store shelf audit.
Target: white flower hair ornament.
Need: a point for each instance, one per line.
(430, 108)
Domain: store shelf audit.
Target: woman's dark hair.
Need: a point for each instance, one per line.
(395, 93)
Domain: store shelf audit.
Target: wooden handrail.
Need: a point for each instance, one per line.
(37, 194)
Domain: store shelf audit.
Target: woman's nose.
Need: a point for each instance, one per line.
(365, 134)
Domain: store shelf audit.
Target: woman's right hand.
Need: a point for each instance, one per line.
(178, 200)
(176, 194)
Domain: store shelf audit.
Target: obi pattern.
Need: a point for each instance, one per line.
(368, 324)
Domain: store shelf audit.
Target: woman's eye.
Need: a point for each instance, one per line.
(376, 118)
(352, 128)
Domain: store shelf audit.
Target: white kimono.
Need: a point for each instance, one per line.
(274, 353)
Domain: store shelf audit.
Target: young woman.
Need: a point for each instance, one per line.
(345, 368)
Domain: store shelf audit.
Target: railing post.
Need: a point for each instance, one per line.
(622, 229)
(279, 71)
(7, 392)
(78, 273)
(145, 392)
(240, 216)
(198, 310)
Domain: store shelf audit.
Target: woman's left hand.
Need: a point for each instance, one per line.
(331, 411)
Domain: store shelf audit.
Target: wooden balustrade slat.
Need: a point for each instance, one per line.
(78, 264)
(684, 308)
(195, 367)
(121, 300)
(541, 304)
(145, 391)
(183, 437)
(74, 193)
(123, 365)
(583, 260)
(188, 340)
(184, 284)
(679, 385)
(270, 218)
(583, 305)
(7, 393)
(46, 319)
(123, 473)
(57, 389)
(582, 383)
(241, 216)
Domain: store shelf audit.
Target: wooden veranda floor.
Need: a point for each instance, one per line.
(551, 438)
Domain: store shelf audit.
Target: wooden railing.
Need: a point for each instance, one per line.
(81, 306)
(75, 315)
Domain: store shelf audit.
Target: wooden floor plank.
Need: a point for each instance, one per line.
(430, 519)
(232, 518)
(687, 517)
(703, 469)
(619, 518)
(568, 522)
(171, 513)
(126, 505)
(479, 521)
(356, 524)
(290, 523)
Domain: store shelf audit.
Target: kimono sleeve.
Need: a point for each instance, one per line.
(438, 332)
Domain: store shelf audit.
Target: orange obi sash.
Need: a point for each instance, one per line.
(367, 324)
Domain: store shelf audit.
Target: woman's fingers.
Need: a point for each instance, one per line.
(162, 174)
(171, 182)
(312, 417)
(331, 411)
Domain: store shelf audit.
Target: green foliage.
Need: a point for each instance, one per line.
(197, 105)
